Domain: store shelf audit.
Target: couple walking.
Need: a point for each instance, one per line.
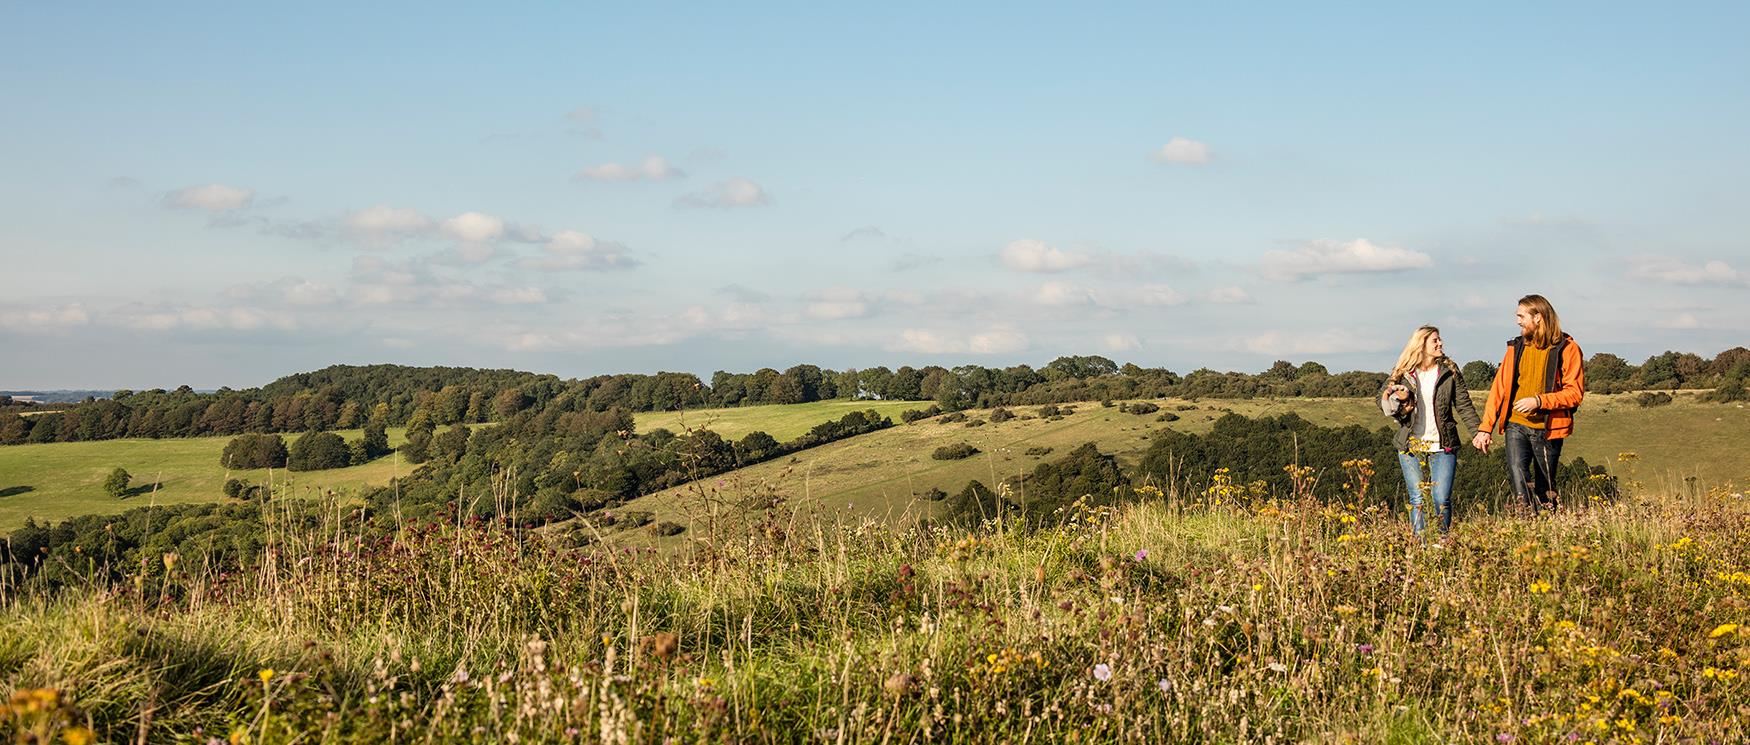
(1532, 400)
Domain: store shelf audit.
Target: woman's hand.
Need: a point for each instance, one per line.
(1399, 392)
(1525, 405)
(1481, 441)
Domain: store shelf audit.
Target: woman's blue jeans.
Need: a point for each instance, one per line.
(1441, 465)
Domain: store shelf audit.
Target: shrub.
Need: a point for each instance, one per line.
(254, 451)
(1167, 416)
(956, 451)
(116, 483)
(667, 528)
(958, 416)
(935, 495)
(1650, 399)
(1039, 450)
(999, 415)
(1731, 391)
(911, 415)
(317, 451)
(1049, 410)
(975, 423)
(1143, 407)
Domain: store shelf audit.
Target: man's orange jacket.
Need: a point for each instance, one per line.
(1564, 386)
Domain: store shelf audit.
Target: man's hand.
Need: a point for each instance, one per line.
(1481, 441)
(1525, 405)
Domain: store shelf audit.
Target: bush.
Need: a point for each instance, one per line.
(958, 416)
(999, 415)
(254, 451)
(1143, 407)
(975, 423)
(1049, 410)
(911, 415)
(1729, 392)
(1167, 416)
(1650, 399)
(318, 451)
(935, 495)
(240, 489)
(666, 528)
(957, 451)
(975, 504)
(1039, 450)
(116, 483)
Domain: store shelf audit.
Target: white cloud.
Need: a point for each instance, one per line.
(211, 197)
(43, 318)
(169, 317)
(383, 224)
(1668, 270)
(990, 341)
(838, 303)
(1334, 257)
(1062, 294)
(1118, 341)
(652, 168)
(1159, 295)
(571, 250)
(1183, 152)
(473, 227)
(1035, 256)
(736, 192)
(1232, 294)
(1280, 343)
(290, 290)
(1681, 321)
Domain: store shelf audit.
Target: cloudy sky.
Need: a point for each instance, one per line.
(223, 193)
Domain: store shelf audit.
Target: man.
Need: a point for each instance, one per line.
(1532, 400)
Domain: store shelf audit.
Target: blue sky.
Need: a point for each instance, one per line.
(219, 194)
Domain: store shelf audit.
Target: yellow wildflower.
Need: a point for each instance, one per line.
(1722, 630)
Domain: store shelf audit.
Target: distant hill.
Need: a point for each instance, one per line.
(58, 396)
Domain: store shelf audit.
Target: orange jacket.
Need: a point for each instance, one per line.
(1564, 387)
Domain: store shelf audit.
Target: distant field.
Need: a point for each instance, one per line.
(784, 422)
(874, 473)
(882, 473)
(60, 480)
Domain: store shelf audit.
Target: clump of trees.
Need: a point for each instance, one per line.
(254, 451)
(957, 451)
(318, 451)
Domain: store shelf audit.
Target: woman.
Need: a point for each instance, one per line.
(1423, 390)
(1536, 390)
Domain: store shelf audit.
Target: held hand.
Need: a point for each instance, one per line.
(1481, 441)
(1525, 405)
(1403, 393)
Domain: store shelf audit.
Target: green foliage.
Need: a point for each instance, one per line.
(1649, 399)
(317, 451)
(1000, 415)
(1731, 391)
(256, 451)
(1143, 407)
(1479, 374)
(1083, 472)
(956, 451)
(116, 483)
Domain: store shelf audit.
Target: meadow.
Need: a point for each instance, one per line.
(55, 481)
(885, 474)
(1168, 618)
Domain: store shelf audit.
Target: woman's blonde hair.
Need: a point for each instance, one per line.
(1415, 355)
(1549, 331)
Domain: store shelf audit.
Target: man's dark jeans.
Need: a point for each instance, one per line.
(1531, 464)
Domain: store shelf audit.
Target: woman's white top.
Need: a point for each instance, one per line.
(1426, 430)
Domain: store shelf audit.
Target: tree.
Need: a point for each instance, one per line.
(317, 451)
(116, 483)
(375, 440)
(254, 451)
(1478, 375)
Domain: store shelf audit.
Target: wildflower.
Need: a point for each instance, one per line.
(1503, 737)
(1364, 648)
(1722, 630)
(1165, 685)
(266, 674)
(1102, 672)
(1539, 587)
(1141, 554)
(78, 736)
(1257, 587)
(1278, 667)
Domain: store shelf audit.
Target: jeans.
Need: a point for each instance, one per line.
(1531, 465)
(1441, 465)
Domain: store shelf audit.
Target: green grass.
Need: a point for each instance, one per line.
(883, 473)
(60, 480)
(784, 422)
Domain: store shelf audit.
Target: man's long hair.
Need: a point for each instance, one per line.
(1549, 330)
(1415, 354)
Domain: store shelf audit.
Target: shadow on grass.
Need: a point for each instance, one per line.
(135, 491)
(13, 491)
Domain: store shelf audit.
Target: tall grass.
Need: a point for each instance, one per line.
(1212, 614)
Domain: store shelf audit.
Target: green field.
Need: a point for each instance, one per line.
(60, 480)
(784, 422)
(883, 474)
(875, 473)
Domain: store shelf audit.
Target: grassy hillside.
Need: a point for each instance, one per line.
(782, 422)
(60, 480)
(883, 473)
(1271, 622)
